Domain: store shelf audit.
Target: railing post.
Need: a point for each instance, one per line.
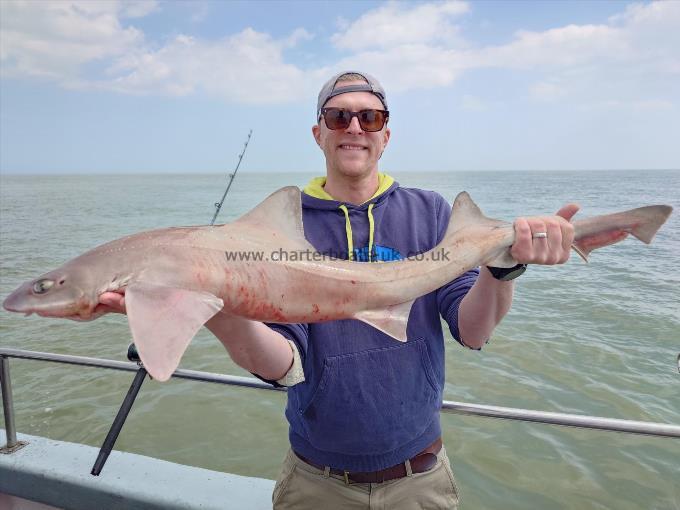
(8, 409)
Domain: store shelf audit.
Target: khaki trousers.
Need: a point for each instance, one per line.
(301, 486)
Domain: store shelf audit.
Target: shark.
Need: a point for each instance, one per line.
(261, 267)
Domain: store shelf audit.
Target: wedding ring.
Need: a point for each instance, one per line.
(540, 235)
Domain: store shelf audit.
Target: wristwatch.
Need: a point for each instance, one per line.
(506, 274)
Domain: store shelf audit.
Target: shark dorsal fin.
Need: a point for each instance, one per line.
(465, 213)
(282, 212)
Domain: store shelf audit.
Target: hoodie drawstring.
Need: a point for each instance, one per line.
(371, 230)
(348, 231)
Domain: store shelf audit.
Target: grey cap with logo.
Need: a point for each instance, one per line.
(328, 90)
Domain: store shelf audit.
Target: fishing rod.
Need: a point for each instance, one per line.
(218, 205)
(123, 412)
(133, 355)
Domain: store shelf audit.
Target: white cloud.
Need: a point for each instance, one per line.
(644, 32)
(557, 48)
(408, 46)
(246, 67)
(635, 54)
(407, 67)
(633, 57)
(54, 39)
(420, 47)
(299, 34)
(396, 24)
(653, 33)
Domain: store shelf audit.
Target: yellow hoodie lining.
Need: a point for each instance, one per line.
(315, 189)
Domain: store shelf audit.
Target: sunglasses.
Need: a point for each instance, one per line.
(369, 120)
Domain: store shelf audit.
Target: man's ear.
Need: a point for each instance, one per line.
(386, 137)
(316, 131)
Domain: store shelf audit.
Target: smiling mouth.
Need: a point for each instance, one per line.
(349, 147)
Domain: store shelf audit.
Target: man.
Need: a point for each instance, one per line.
(363, 409)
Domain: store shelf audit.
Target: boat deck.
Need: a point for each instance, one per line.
(57, 473)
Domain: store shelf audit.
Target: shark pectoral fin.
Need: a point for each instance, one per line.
(391, 320)
(163, 321)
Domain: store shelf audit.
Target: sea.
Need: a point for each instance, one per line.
(597, 339)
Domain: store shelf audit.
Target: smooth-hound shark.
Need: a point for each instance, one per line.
(176, 279)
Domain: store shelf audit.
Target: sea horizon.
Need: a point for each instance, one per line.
(241, 172)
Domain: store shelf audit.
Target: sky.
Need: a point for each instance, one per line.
(151, 86)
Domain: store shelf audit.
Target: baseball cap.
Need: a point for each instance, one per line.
(328, 90)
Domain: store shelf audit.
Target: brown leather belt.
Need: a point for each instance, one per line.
(424, 461)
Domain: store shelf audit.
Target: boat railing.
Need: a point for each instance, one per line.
(488, 411)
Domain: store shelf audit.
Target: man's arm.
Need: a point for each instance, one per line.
(489, 300)
(252, 345)
(483, 308)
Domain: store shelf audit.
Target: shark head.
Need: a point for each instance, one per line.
(59, 293)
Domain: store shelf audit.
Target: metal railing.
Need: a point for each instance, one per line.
(508, 413)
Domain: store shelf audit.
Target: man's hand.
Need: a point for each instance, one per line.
(111, 302)
(552, 248)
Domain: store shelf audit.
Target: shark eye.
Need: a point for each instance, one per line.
(42, 286)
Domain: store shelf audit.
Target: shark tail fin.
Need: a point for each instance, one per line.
(655, 216)
(642, 223)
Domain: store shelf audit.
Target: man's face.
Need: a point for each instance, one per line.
(352, 152)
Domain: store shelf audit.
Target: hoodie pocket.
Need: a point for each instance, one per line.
(374, 401)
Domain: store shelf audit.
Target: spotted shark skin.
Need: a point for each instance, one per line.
(176, 279)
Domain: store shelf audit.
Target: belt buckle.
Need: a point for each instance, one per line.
(346, 475)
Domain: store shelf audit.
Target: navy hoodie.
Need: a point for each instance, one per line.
(369, 402)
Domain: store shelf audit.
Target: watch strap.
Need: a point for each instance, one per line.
(506, 274)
